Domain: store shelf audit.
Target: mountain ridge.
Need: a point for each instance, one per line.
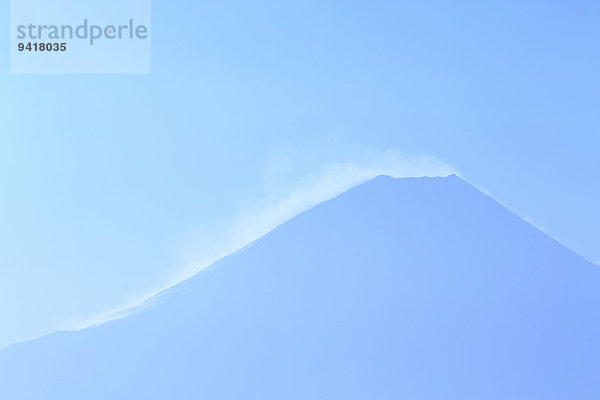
(148, 301)
(378, 291)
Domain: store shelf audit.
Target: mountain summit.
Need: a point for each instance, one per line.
(415, 288)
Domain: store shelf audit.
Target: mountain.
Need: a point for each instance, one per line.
(419, 288)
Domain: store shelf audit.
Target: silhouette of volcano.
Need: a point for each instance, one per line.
(418, 288)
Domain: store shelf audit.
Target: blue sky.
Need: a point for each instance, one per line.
(111, 184)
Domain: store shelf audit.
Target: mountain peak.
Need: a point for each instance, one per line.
(398, 288)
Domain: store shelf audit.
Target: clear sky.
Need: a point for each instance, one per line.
(110, 185)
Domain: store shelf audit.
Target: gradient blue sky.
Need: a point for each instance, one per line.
(109, 183)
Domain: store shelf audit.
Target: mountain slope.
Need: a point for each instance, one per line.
(420, 288)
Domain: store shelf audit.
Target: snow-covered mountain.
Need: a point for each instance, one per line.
(420, 288)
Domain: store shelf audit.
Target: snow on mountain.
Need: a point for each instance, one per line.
(415, 288)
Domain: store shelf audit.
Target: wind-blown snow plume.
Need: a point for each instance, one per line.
(333, 179)
(326, 182)
(302, 193)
